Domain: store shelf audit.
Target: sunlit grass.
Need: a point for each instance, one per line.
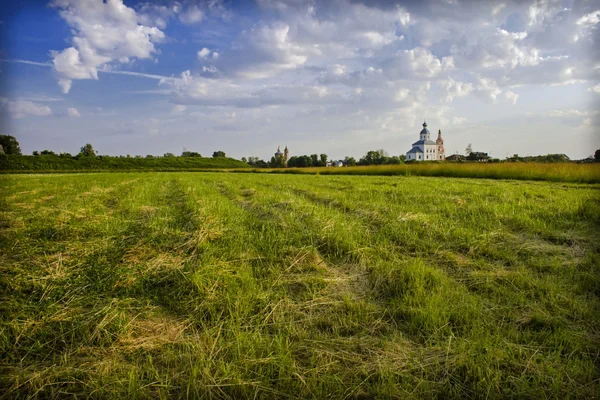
(556, 172)
(224, 285)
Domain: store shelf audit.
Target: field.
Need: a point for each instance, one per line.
(51, 163)
(225, 285)
(555, 172)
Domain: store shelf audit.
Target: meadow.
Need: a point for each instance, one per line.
(52, 163)
(227, 285)
(555, 172)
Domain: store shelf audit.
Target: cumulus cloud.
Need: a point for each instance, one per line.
(19, 109)
(72, 112)
(206, 53)
(455, 89)
(103, 33)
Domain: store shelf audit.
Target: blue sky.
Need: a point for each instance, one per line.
(339, 77)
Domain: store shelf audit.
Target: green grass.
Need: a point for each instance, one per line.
(53, 163)
(224, 285)
(554, 172)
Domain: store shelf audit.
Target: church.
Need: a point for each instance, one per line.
(426, 149)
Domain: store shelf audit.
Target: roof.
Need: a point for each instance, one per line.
(415, 150)
(424, 131)
(425, 141)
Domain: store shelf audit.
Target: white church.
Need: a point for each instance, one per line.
(426, 149)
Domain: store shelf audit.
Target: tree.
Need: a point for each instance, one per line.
(35, 153)
(149, 156)
(323, 159)
(373, 157)
(597, 155)
(10, 145)
(47, 153)
(349, 161)
(219, 154)
(315, 162)
(277, 162)
(190, 154)
(168, 155)
(87, 151)
(468, 150)
(244, 160)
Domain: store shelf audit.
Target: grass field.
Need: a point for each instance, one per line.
(224, 285)
(554, 172)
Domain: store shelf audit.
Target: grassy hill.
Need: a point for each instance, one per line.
(49, 163)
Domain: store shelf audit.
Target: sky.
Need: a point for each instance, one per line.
(339, 77)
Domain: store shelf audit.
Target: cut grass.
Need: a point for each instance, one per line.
(227, 285)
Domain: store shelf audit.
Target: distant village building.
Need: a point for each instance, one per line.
(455, 157)
(426, 149)
(478, 156)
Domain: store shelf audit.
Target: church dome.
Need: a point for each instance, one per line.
(424, 131)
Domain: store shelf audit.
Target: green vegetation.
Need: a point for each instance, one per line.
(559, 172)
(223, 285)
(90, 162)
(9, 145)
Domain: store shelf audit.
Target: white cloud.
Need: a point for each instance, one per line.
(511, 96)
(103, 33)
(19, 109)
(570, 113)
(72, 112)
(206, 53)
(455, 89)
(192, 15)
(416, 63)
(65, 85)
(203, 53)
(590, 19)
(595, 89)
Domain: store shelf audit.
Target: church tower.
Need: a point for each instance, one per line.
(286, 155)
(440, 146)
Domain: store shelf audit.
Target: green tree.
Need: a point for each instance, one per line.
(349, 161)
(168, 155)
(277, 162)
(597, 155)
(10, 145)
(323, 159)
(373, 157)
(48, 153)
(315, 162)
(244, 160)
(35, 153)
(87, 151)
(219, 154)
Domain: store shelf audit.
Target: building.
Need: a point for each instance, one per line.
(455, 157)
(285, 156)
(478, 156)
(426, 149)
(441, 154)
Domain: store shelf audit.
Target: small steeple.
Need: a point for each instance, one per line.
(424, 124)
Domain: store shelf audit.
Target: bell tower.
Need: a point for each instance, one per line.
(440, 146)
(286, 155)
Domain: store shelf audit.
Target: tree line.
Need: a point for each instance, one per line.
(10, 146)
